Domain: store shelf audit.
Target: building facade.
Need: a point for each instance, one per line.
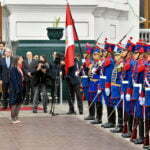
(28, 19)
(145, 25)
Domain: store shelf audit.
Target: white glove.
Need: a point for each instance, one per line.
(107, 91)
(77, 73)
(120, 65)
(99, 91)
(122, 96)
(83, 60)
(140, 89)
(141, 101)
(128, 97)
(60, 73)
(93, 70)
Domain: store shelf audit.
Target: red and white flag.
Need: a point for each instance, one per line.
(71, 36)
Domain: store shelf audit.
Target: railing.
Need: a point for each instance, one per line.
(145, 35)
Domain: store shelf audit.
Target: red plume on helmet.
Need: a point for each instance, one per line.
(130, 46)
(140, 47)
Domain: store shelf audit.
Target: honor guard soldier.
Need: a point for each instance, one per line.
(126, 88)
(101, 83)
(147, 99)
(137, 95)
(108, 67)
(84, 71)
(94, 78)
(115, 92)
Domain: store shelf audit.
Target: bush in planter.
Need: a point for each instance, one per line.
(55, 32)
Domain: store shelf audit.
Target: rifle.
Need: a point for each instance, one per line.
(126, 34)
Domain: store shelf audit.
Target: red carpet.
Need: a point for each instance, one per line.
(24, 108)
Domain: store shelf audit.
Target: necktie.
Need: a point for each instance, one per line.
(29, 61)
(8, 62)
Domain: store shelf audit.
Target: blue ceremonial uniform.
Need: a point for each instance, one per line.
(126, 89)
(147, 102)
(93, 91)
(138, 80)
(147, 84)
(138, 94)
(116, 84)
(115, 94)
(85, 80)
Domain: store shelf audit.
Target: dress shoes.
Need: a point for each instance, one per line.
(117, 130)
(81, 113)
(147, 147)
(139, 141)
(34, 111)
(96, 122)
(126, 135)
(71, 113)
(45, 110)
(108, 125)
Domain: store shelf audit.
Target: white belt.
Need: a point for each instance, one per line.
(137, 85)
(125, 82)
(102, 77)
(84, 76)
(147, 89)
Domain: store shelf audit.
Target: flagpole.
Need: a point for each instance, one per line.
(81, 54)
(67, 1)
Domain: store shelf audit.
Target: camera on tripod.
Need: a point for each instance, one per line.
(44, 66)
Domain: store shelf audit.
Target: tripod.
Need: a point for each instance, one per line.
(54, 96)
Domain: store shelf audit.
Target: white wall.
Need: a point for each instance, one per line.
(27, 22)
(30, 18)
(116, 23)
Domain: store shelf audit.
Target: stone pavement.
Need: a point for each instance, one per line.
(44, 132)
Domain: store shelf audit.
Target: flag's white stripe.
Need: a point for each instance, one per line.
(69, 36)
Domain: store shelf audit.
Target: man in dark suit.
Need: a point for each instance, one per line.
(73, 81)
(5, 66)
(28, 67)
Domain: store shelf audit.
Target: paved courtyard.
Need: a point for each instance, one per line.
(44, 132)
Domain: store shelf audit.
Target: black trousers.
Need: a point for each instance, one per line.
(141, 128)
(128, 120)
(5, 88)
(98, 108)
(139, 122)
(147, 127)
(29, 91)
(111, 115)
(120, 116)
(75, 89)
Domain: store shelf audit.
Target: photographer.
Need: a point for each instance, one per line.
(40, 83)
(54, 73)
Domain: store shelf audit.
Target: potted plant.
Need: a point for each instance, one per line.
(55, 32)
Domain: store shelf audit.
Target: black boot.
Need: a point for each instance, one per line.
(89, 118)
(146, 142)
(139, 141)
(71, 112)
(108, 125)
(96, 121)
(45, 110)
(118, 129)
(34, 110)
(126, 135)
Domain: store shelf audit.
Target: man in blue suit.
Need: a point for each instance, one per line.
(5, 66)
